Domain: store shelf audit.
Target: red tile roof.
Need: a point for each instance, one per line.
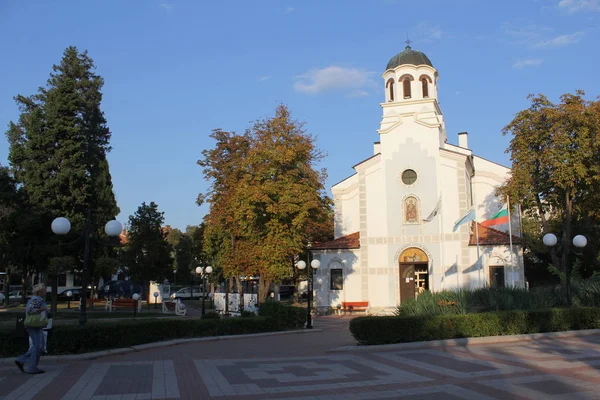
(351, 241)
(491, 237)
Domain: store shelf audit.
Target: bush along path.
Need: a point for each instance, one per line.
(93, 336)
(387, 330)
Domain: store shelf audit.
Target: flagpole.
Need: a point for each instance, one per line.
(510, 242)
(476, 236)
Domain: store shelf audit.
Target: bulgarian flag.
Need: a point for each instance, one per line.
(501, 217)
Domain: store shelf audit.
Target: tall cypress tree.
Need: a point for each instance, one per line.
(58, 147)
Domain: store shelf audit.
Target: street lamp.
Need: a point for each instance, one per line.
(315, 264)
(136, 298)
(69, 294)
(62, 226)
(203, 272)
(579, 241)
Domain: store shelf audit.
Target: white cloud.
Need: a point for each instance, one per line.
(359, 93)
(539, 36)
(426, 32)
(560, 41)
(166, 6)
(290, 10)
(532, 62)
(333, 78)
(573, 6)
(264, 78)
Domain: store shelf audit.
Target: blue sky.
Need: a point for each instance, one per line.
(174, 70)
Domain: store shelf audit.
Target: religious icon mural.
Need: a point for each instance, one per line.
(411, 213)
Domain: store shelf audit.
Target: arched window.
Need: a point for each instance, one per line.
(425, 81)
(390, 86)
(425, 87)
(406, 88)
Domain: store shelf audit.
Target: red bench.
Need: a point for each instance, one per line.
(350, 306)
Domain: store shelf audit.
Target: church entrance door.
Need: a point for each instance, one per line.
(414, 276)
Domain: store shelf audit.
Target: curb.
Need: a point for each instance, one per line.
(142, 347)
(464, 342)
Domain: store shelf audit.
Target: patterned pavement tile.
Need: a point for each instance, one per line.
(546, 386)
(439, 392)
(541, 355)
(23, 386)
(122, 380)
(297, 374)
(450, 364)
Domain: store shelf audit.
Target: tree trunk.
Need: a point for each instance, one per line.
(54, 294)
(546, 229)
(263, 288)
(7, 287)
(240, 290)
(24, 287)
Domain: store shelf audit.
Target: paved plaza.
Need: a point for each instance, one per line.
(301, 366)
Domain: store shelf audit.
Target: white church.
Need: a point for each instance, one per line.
(402, 222)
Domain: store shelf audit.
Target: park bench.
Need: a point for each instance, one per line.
(111, 305)
(90, 303)
(173, 307)
(351, 306)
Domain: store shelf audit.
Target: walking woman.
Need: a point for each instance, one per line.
(35, 320)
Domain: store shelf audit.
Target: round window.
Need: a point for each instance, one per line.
(409, 177)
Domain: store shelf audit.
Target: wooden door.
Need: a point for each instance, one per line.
(407, 282)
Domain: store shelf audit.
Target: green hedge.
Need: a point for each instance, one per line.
(95, 336)
(386, 330)
(284, 315)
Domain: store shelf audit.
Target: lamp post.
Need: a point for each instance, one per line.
(175, 277)
(155, 300)
(203, 272)
(69, 294)
(579, 241)
(135, 298)
(314, 264)
(62, 226)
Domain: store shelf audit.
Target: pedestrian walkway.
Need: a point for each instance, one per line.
(299, 366)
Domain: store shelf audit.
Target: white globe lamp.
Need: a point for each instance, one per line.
(301, 265)
(315, 264)
(580, 241)
(550, 239)
(208, 269)
(113, 228)
(61, 226)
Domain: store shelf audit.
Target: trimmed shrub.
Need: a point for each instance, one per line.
(211, 315)
(247, 314)
(283, 314)
(386, 330)
(95, 336)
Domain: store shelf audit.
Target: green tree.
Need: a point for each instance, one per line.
(9, 204)
(267, 199)
(556, 169)
(147, 254)
(58, 151)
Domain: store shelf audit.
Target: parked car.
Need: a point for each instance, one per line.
(75, 295)
(186, 293)
(120, 289)
(17, 295)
